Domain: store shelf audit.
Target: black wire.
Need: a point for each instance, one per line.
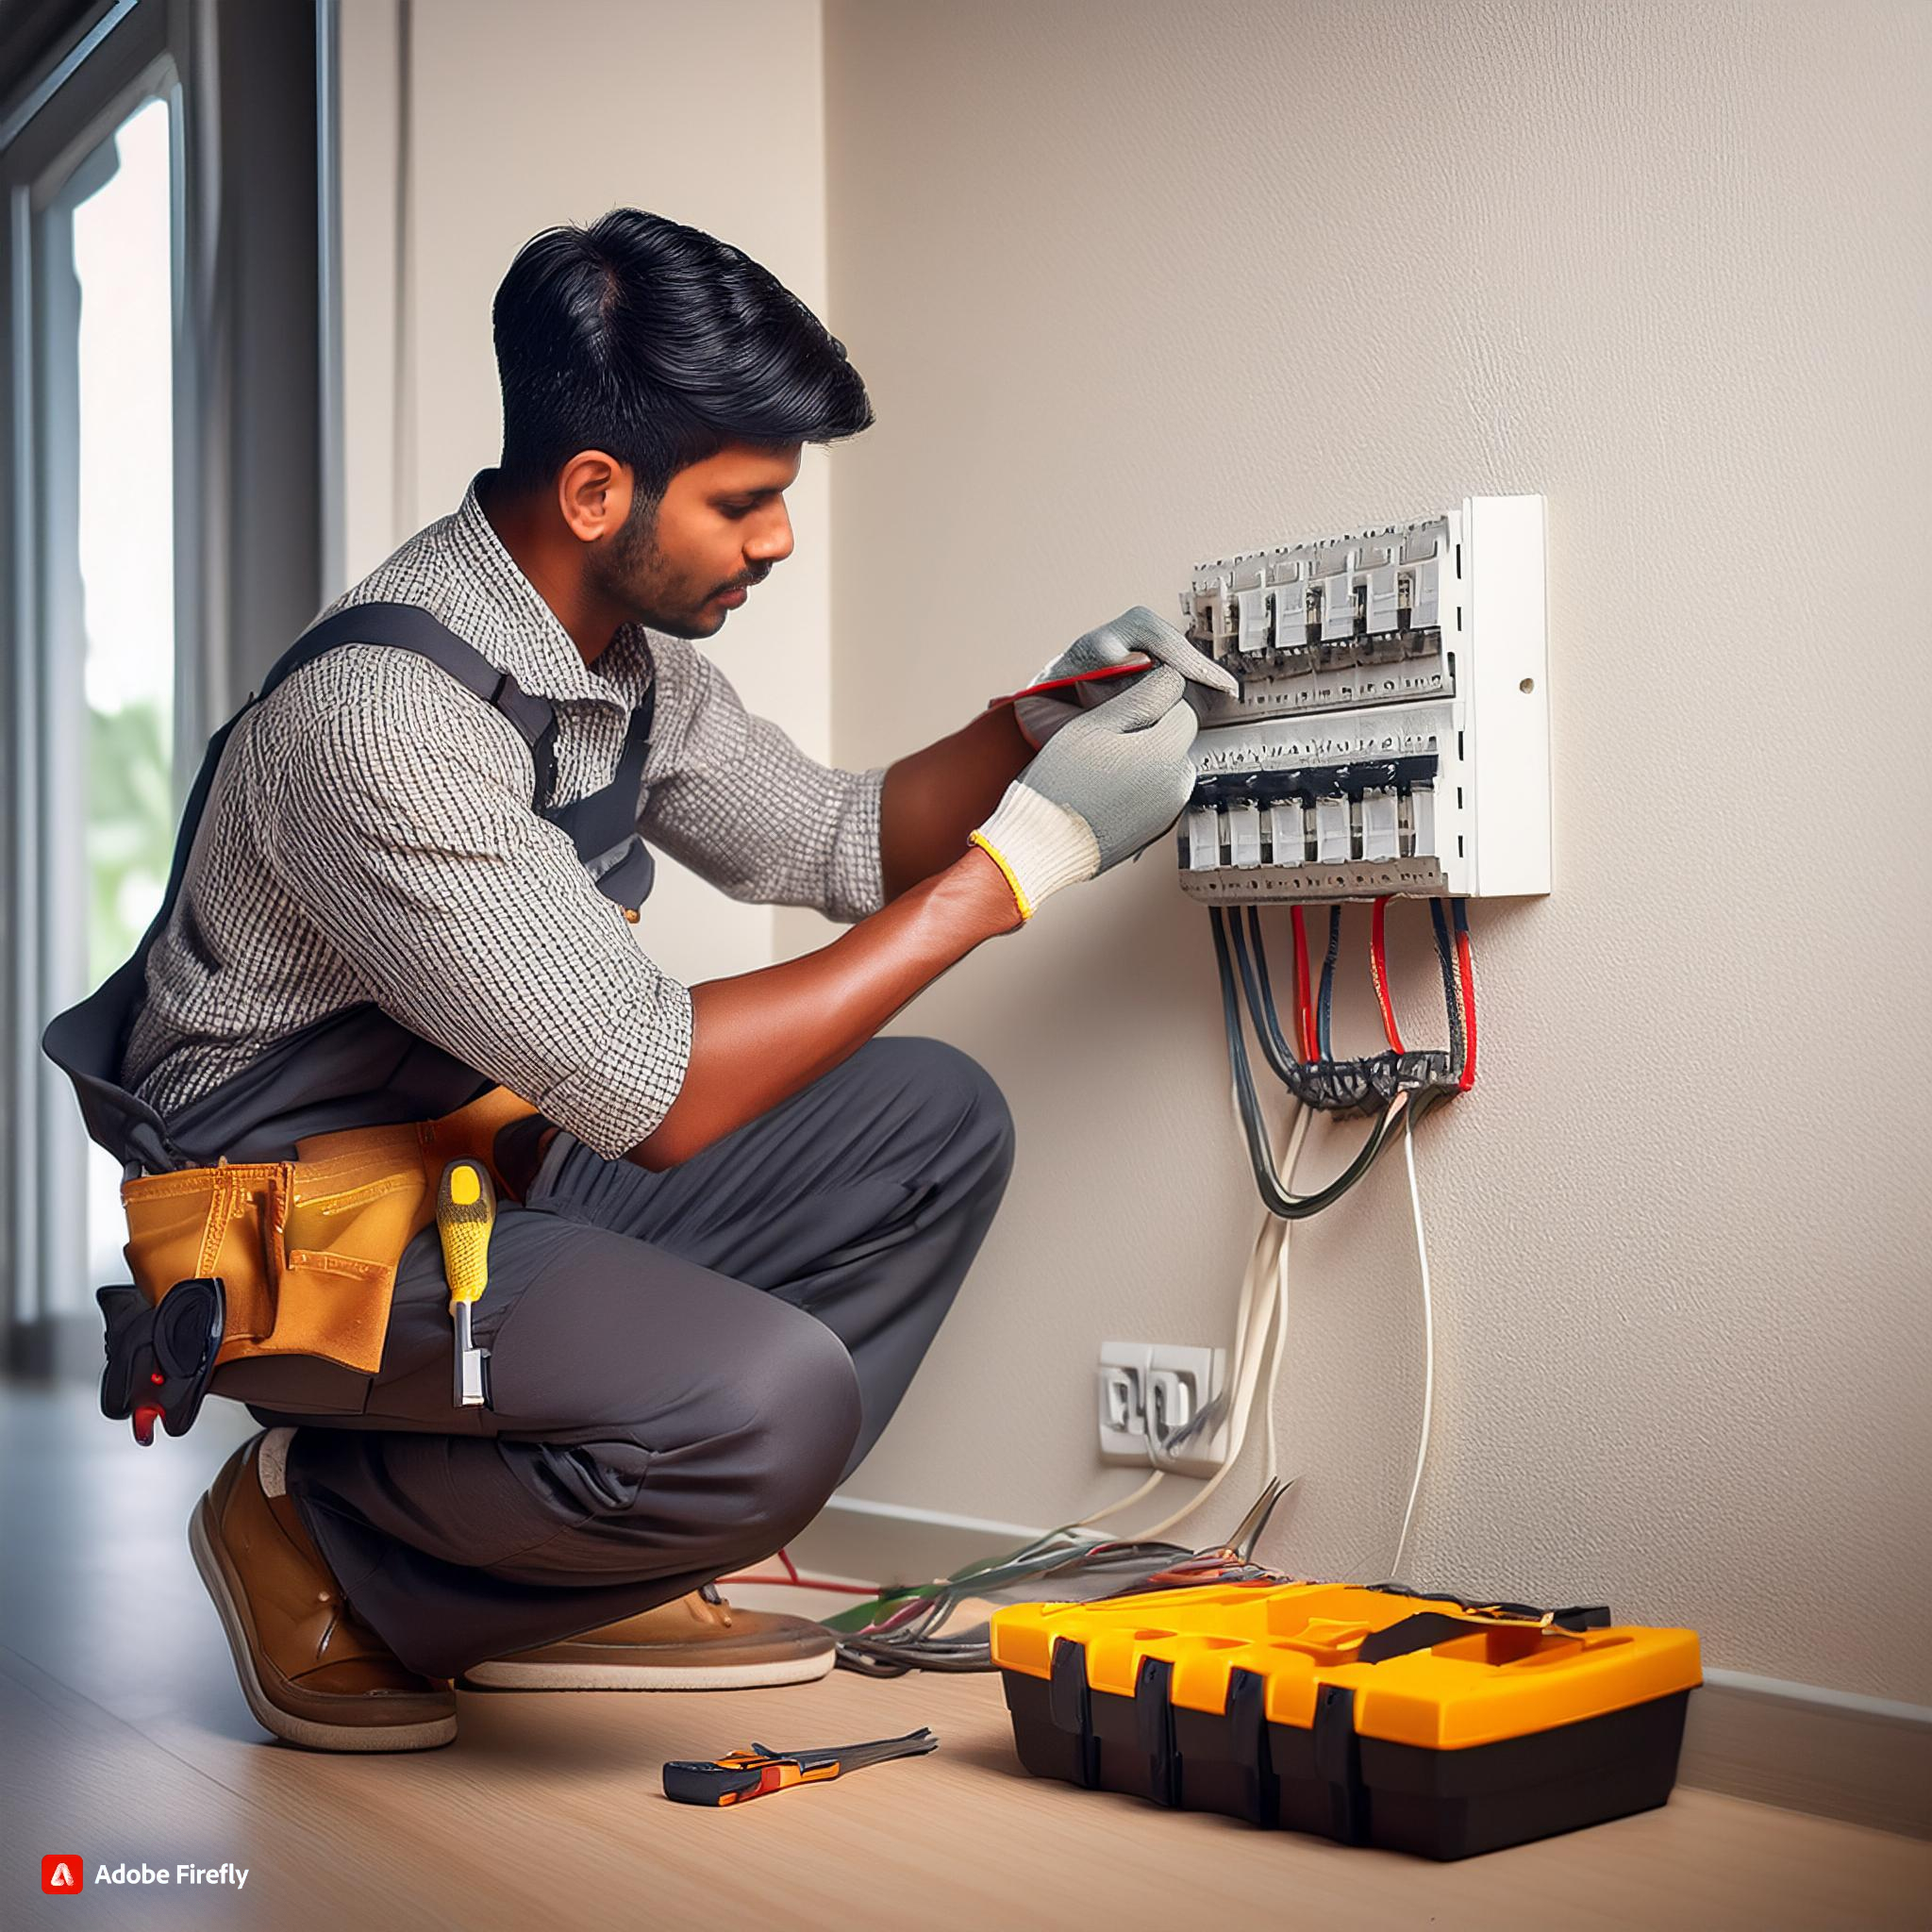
(1274, 1196)
(1325, 1008)
(1452, 987)
(1459, 908)
(1280, 1057)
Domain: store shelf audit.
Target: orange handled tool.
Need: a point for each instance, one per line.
(747, 1775)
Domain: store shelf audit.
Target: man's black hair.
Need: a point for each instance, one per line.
(661, 344)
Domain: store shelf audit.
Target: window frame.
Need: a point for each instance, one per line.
(230, 441)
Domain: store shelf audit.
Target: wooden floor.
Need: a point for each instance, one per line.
(126, 1738)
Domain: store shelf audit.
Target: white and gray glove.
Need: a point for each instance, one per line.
(1138, 629)
(1113, 781)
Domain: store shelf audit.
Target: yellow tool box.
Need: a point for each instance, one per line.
(1422, 1724)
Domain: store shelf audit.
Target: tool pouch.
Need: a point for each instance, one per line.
(306, 1250)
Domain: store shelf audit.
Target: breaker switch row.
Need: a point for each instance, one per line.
(1329, 827)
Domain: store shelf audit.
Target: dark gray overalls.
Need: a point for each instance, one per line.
(683, 1365)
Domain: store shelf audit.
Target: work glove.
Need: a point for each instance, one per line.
(1113, 779)
(1138, 629)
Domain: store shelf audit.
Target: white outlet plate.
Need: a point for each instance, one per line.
(1124, 1385)
(1123, 1367)
(1200, 1376)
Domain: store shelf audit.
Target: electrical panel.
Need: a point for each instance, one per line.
(1392, 733)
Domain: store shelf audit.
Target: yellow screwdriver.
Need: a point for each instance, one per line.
(465, 1213)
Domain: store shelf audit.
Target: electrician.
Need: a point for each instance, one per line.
(733, 1219)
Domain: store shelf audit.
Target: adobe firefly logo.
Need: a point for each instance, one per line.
(63, 1871)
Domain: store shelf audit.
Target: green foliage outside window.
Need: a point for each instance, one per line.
(130, 828)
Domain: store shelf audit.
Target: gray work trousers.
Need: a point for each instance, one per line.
(683, 1365)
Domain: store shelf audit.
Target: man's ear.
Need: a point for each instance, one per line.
(594, 494)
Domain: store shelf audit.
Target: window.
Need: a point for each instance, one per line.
(107, 360)
(160, 436)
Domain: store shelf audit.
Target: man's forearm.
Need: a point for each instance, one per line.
(760, 1037)
(932, 798)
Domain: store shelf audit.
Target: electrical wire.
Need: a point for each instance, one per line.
(793, 1581)
(1267, 1177)
(1422, 1444)
(907, 1636)
(1452, 989)
(1465, 961)
(1248, 1344)
(1378, 969)
(1267, 1260)
(1303, 1010)
(1276, 1050)
(1324, 1009)
(1275, 1351)
(1243, 1342)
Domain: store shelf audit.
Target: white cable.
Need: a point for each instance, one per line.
(1421, 1446)
(1246, 1310)
(1274, 1357)
(1268, 1261)
(1133, 1496)
(1243, 1316)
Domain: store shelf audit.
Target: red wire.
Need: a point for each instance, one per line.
(795, 1581)
(1304, 999)
(1465, 964)
(1378, 967)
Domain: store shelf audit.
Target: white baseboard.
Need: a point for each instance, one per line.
(1796, 1746)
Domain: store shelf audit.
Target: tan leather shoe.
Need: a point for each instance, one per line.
(699, 1642)
(312, 1670)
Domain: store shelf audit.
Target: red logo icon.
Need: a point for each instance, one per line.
(63, 1872)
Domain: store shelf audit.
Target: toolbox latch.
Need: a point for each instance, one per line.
(1153, 1728)
(1338, 1764)
(1070, 1706)
(1247, 1729)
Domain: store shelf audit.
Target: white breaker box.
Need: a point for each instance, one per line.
(1392, 730)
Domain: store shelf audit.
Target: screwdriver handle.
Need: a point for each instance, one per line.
(465, 1214)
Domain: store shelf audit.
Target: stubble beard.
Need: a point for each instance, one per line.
(633, 575)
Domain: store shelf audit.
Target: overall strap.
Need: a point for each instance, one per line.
(410, 627)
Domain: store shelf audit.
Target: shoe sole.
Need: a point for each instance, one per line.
(506, 1673)
(232, 1606)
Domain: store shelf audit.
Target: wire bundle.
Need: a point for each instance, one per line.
(1409, 1084)
(879, 1642)
(913, 1627)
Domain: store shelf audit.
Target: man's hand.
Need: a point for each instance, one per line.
(1138, 629)
(1112, 780)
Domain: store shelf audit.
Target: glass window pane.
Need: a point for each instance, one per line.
(124, 545)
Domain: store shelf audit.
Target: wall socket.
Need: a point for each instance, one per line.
(1173, 1385)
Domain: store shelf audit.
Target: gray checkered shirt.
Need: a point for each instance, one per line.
(370, 836)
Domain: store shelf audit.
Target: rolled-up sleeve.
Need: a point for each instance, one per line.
(732, 796)
(400, 815)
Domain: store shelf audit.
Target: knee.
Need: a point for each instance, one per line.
(804, 1411)
(957, 1094)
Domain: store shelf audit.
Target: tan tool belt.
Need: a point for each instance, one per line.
(308, 1249)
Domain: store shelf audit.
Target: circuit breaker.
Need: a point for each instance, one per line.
(1392, 732)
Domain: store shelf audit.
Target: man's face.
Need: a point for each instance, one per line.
(721, 527)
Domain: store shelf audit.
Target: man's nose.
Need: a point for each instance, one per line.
(772, 543)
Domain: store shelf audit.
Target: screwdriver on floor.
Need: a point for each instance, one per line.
(742, 1776)
(465, 1213)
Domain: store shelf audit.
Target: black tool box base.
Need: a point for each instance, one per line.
(1330, 1781)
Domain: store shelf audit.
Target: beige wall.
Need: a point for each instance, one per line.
(520, 117)
(1135, 284)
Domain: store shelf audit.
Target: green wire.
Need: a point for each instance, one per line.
(984, 1569)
